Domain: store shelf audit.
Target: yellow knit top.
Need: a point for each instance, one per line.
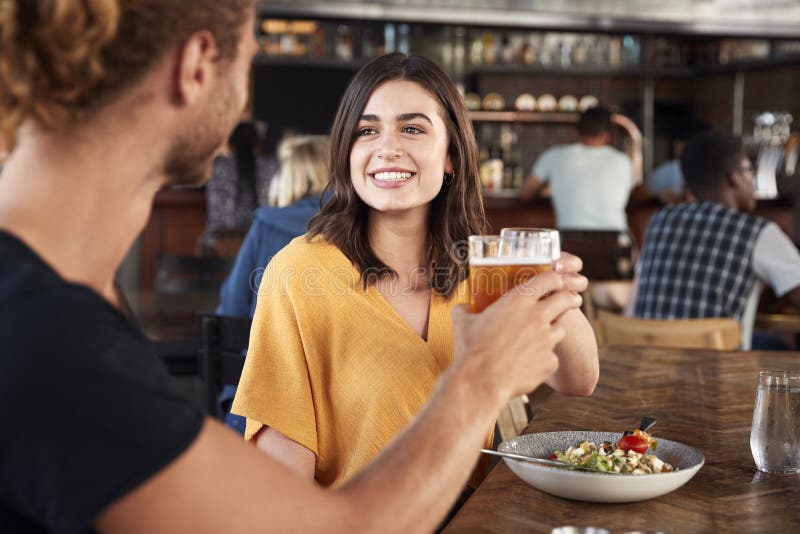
(331, 365)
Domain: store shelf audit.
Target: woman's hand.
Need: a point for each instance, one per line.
(510, 346)
(569, 267)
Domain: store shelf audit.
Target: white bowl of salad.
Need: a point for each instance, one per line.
(610, 467)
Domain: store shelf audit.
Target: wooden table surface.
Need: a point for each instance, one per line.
(700, 398)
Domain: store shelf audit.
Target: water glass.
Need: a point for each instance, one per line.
(775, 435)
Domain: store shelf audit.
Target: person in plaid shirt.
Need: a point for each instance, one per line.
(710, 257)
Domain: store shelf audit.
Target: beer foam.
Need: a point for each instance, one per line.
(511, 260)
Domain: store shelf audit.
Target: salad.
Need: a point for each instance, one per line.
(628, 456)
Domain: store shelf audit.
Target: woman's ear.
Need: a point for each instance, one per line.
(448, 165)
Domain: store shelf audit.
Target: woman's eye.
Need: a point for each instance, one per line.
(411, 130)
(366, 131)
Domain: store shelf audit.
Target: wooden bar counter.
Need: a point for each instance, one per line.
(700, 398)
(505, 212)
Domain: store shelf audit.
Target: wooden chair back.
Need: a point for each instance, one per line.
(514, 417)
(717, 333)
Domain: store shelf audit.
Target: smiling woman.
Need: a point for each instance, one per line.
(352, 328)
(347, 348)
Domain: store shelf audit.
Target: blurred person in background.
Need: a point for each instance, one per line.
(239, 184)
(589, 180)
(352, 327)
(667, 182)
(711, 257)
(104, 103)
(294, 197)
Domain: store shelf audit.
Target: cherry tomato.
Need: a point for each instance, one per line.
(553, 456)
(634, 443)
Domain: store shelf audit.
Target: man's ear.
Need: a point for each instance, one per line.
(731, 179)
(195, 68)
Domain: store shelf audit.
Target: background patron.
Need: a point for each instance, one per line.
(589, 180)
(711, 257)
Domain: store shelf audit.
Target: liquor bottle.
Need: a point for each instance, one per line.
(495, 166)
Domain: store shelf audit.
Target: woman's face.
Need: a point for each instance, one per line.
(399, 157)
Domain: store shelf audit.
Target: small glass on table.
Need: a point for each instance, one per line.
(775, 435)
(497, 263)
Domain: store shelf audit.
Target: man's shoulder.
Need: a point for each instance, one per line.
(707, 215)
(558, 150)
(63, 316)
(616, 155)
(60, 334)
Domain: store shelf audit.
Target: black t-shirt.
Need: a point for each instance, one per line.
(87, 412)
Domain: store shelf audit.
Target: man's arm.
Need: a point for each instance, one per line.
(531, 188)
(776, 261)
(630, 306)
(223, 484)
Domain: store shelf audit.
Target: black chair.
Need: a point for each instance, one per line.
(223, 341)
(178, 274)
(606, 254)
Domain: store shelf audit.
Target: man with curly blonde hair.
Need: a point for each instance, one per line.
(104, 103)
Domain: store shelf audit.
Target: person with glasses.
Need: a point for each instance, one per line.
(710, 256)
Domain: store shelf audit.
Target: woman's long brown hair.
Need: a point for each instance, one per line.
(456, 212)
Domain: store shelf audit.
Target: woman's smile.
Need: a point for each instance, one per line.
(387, 178)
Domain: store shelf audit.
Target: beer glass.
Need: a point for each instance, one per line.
(775, 435)
(498, 263)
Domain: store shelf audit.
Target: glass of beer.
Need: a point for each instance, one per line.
(497, 263)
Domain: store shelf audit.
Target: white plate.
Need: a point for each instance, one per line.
(599, 487)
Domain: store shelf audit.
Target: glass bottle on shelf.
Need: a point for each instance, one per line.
(368, 44)
(476, 51)
(489, 49)
(344, 43)
(389, 38)
(459, 55)
(403, 38)
(632, 51)
(316, 46)
(507, 50)
(528, 53)
(601, 50)
(447, 51)
(548, 50)
(565, 51)
(580, 52)
(495, 166)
